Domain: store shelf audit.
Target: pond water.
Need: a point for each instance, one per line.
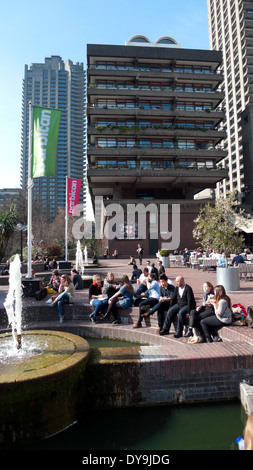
(198, 427)
(186, 427)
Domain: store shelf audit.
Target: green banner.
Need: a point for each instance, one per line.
(44, 142)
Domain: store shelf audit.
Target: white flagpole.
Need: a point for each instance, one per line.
(66, 222)
(30, 186)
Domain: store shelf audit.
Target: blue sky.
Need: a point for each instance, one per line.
(31, 31)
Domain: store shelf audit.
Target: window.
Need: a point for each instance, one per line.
(145, 164)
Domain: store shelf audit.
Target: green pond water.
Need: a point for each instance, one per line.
(202, 427)
(186, 427)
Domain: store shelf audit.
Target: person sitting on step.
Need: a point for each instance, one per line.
(182, 302)
(222, 317)
(202, 311)
(166, 291)
(120, 300)
(152, 294)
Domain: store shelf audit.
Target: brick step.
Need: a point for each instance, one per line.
(72, 312)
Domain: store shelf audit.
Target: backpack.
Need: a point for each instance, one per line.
(41, 294)
(249, 319)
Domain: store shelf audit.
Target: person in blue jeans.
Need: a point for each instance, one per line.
(95, 293)
(100, 295)
(151, 298)
(65, 296)
(120, 300)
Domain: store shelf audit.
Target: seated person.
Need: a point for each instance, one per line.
(222, 317)
(136, 273)
(76, 279)
(120, 300)
(65, 295)
(154, 270)
(142, 283)
(152, 298)
(237, 259)
(132, 260)
(95, 258)
(53, 264)
(186, 256)
(6, 268)
(182, 302)
(110, 287)
(222, 260)
(204, 310)
(166, 291)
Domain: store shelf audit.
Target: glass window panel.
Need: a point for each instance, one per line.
(181, 144)
(168, 164)
(168, 144)
(144, 105)
(166, 106)
(112, 164)
(158, 164)
(145, 164)
(122, 163)
(101, 163)
(131, 163)
(144, 143)
(102, 142)
(111, 142)
(157, 144)
(192, 164)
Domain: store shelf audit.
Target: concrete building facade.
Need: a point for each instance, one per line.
(153, 131)
(231, 32)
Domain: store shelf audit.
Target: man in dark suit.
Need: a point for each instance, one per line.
(182, 302)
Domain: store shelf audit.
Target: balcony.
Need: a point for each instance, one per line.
(102, 180)
(178, 92)
(170, 150)
(166, 111)
(178, 130)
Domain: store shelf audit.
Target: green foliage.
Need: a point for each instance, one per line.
(52, 251)
(8, 222)
(216, 226)
(164, 253)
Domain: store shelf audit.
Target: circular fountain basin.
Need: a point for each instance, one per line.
(42, 385)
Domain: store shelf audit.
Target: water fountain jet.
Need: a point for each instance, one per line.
(41, 375)
(79, 258)
(13, 301)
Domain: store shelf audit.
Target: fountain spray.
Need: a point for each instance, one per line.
(79, 257)
(13, 301)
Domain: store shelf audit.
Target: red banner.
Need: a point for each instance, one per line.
(73, 196)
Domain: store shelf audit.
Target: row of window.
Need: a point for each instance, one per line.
(153, 164)
(110, 123)
(153, 86)
(162, 105)
(152, 143)
(151, 67)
